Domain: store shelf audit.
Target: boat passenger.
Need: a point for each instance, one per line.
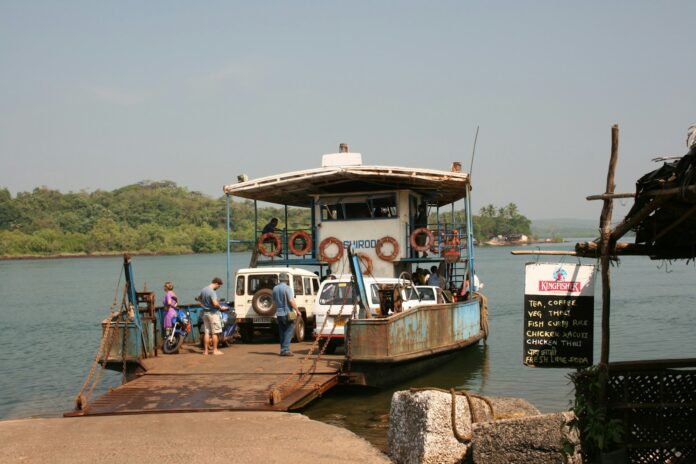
(424, 276)
(212, 322)
(435, 280)
(271, 227)
(464, 289)
(170, 303)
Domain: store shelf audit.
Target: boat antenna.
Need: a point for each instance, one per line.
(473, 153)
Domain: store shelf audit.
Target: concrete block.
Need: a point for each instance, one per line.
(525, 440)
(420, 424)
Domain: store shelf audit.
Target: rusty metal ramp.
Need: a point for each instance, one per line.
(240, 379)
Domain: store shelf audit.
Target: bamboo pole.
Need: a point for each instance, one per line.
(544, 252)
(623, 228)
(649, 193)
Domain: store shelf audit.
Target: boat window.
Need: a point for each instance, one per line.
(240, 285)
(259, 281)
(297, 283)
(383, 206)
(358, 207)
(337, 294)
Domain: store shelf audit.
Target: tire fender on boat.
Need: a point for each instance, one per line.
(380, 244)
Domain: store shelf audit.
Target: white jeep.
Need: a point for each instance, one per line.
(253, 301)
(334, 305)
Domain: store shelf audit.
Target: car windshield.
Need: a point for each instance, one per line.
(336, 293)
(426, 294)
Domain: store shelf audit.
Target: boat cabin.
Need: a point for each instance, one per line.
(396, 219)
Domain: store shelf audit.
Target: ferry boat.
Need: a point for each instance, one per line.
(363, 219)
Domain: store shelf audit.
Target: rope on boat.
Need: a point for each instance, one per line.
(104, 350)
(453, 415)
(484, 314)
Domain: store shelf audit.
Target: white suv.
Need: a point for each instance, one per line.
(254, 305)
(334, 305)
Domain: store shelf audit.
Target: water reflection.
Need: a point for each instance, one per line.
(365, 411)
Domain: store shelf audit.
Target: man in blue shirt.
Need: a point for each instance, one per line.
(271, 227)
(435, 280)
(284, 299)
(212, 323)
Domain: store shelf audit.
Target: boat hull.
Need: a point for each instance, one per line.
(384, 351)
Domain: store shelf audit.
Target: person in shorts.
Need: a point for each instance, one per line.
(212, 323)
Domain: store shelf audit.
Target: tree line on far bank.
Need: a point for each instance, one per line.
(160, 217)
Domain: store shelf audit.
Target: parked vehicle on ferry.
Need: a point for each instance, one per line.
(336, 301)
(174, 337)
(254, 304)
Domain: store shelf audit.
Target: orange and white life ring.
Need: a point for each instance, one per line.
(300, 234)
(267, 237)
(327, 242)
(395, 246)
(366, 261)
(430, 239)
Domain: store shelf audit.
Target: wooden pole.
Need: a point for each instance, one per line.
(605, 247)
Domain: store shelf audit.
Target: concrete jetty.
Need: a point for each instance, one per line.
(206, 437)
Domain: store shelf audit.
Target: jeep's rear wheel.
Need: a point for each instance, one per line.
(299, 330)
(263, 302)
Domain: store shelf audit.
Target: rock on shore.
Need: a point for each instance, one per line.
(421, 430)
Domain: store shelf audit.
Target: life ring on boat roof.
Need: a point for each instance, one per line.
(307, 239)
(327, 242)
(395, 245)
(367, 261)
(429, 239)
(275, 247)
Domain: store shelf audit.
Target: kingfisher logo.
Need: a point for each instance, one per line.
(560, 284)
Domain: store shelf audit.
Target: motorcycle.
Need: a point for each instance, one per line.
(181, 327)
(228, 318)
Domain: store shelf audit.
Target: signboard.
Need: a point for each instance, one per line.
(558, 315)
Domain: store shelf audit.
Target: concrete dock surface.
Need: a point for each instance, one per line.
(202, 437)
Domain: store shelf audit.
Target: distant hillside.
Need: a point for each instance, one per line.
(565, 227)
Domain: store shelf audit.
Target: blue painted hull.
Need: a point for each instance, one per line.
(388, 350)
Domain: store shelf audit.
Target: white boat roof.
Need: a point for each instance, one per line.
(297, 188)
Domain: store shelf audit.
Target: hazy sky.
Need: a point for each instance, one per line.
(98, 95)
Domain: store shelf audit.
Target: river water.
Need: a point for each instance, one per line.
(51, 310)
